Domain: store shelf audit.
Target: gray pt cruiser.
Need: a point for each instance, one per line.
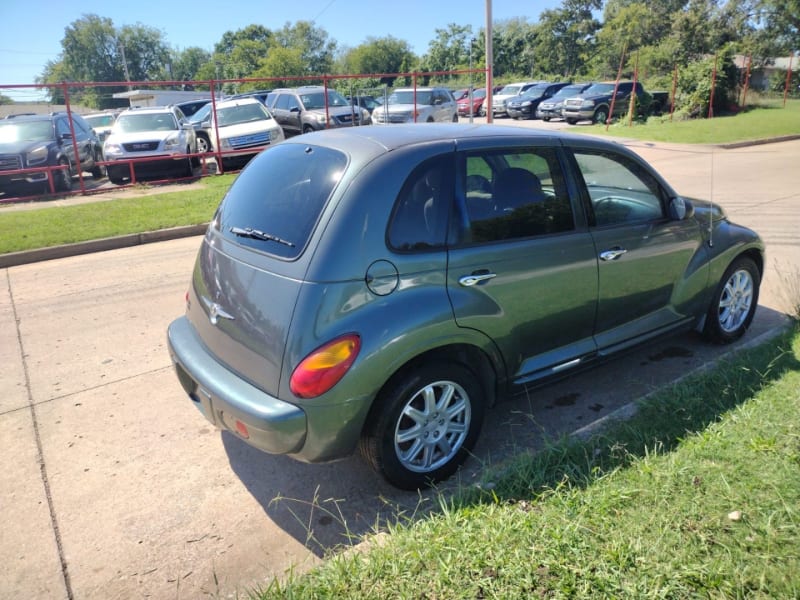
(381, 287)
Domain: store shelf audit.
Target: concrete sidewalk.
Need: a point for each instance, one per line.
(114, 486)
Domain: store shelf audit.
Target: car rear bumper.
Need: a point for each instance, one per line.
(228, 401)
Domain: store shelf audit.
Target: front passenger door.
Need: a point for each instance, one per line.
(646, 280)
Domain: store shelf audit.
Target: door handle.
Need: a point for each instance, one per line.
(612, 254)
(469, 280)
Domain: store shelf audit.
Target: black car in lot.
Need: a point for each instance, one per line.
(553, 106)
(524, 106)
(36, 148)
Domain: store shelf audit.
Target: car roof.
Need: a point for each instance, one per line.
(388, 139)
(419, 89)
(148, 109)
(238, 101)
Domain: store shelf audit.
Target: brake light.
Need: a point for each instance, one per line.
(324, 367)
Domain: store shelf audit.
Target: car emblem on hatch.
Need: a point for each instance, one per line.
(216, 312)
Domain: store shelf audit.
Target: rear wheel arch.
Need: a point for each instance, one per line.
(472, 357)
(393, 445)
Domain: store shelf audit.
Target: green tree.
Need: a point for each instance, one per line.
(5, 99)
(449, 50)
(514, 43)
(93, 50)
(185, 65)
(566, 37)
(283, 62)
(316, 50)
(383, 55)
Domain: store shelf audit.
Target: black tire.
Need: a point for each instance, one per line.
(734, 302)
(188, 167)
(600, 116)
(63, 177)
(455, 118)
(482, 111)
(572, 121)
(307, 129)
(98, 171)
(203, 144)
(408, 417)
(116, 176)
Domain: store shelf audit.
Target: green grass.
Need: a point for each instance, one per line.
(697, 496)
(762, 122)
(55, 225)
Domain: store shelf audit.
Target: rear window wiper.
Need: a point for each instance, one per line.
(255, 234)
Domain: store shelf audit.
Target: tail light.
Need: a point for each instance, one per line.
(324, 367)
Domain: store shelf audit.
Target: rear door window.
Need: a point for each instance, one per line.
(276, 201)
(519, 194)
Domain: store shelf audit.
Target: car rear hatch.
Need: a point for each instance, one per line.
(250, 268)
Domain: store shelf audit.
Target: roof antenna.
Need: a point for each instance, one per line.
(711, 204)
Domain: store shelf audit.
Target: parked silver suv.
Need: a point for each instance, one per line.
(150, 139)
(420, 105)
(305, 109)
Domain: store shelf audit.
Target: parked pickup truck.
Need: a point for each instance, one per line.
(594, 104)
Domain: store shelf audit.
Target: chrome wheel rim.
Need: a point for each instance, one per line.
(432, 426)
(735, 301)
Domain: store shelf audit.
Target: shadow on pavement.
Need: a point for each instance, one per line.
(328, 506)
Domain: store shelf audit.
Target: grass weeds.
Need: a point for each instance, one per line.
(698, 495)
(763, 121)
(55, 225)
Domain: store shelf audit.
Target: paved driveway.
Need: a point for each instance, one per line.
(114, 486)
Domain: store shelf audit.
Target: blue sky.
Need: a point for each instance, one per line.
(31, 32)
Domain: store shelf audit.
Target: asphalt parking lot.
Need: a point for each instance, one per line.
(114, 486)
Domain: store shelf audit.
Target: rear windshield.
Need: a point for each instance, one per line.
(275, 202)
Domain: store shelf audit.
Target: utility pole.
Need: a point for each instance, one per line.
(124, 62)
(489, 62)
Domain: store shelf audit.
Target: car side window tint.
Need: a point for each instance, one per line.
(62, 127)
(420, 216)
(620, 191)
(80, 129)
(515, 195)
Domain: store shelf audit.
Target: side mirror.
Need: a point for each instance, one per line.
(680, 209)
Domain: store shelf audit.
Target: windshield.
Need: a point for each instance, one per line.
(510, 90)
(317, 100)
(34, 131)
(570, 90)
(536, 91)
(599, 88)
(201, 115)
(100, 120)
(243, 113)
(407, 97)
(279, 198)
(134, 123)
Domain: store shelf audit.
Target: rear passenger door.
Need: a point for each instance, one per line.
(522, 267)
